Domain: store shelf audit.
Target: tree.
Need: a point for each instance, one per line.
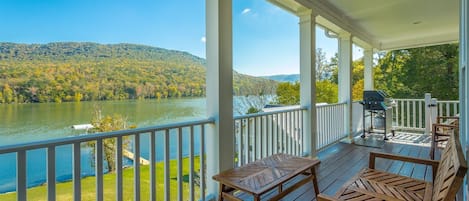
(326, 92)
(8, 95)
(106, 124)
(323, 68)
(410, 73)
(289, 94)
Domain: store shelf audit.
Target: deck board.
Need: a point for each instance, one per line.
(342, 161)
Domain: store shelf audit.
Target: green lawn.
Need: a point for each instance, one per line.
(65, 189)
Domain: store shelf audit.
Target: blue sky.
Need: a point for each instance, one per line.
(265, 38)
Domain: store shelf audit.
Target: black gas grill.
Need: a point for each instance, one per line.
(378, 105)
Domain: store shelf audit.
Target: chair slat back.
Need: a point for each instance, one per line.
(451, 171)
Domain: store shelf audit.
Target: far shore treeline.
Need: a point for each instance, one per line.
(72, 72)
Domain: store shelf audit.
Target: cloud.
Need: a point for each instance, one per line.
(203, 39)
(246, 11)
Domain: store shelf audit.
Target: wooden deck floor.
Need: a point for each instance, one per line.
(342, 161)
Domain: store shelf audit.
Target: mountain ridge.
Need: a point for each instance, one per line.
(284, 77)
(75, 71)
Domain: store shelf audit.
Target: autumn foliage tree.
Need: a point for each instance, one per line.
(106, 123)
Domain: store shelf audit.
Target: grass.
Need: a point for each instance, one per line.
(64, 190)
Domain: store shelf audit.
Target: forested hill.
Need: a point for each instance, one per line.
(72, 51)
(67, 71)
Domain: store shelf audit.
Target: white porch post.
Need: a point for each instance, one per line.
(220, 137)
(368, 74)
(345, 80)
(463, 78)
(308, 80)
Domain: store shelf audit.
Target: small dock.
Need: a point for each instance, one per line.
(130, 155)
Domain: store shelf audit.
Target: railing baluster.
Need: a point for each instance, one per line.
(421, 116)
(241, 143)
(320, 136)
(302, 132)
(153, 166)
(447, 109)
(414, 124)
(295, 147)
(166, 159)
(21, 185)
(202, 162)
(277, 125)
(179, 163)
(76, 156)
(286, 133)
(137, 167)
(255, 136)
(330, 130)
(407, 114)
(268, 135)
(51, 173)
(191, 164)
(99, 169)
(289, 133)
(402, 114)
(119, 178)
(396, 112)
(262, 138)
(247, 137)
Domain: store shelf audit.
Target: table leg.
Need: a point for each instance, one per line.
(257, 197)
(315, 181)
(220, 192)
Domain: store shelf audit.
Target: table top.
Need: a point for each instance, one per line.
(265, 174)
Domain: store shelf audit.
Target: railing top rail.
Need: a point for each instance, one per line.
(408, 99)
(331, 105)
(447, 101)
(269, 113)
(86, 138)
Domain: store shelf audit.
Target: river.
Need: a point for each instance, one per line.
(21, 123)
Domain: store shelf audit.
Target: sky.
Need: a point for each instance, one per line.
(265, 37)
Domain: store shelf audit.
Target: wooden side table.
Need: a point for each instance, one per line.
(263, 175)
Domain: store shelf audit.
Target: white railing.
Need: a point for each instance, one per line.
(448, 108)
(330, 122)
(263, 134)
(188, 130)
(409, 114)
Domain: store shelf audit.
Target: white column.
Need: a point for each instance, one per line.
(345, 80)
(463, 85)
(220, 137)
(308, 80)
(368, 74)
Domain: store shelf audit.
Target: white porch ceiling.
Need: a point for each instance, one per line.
(386, 24)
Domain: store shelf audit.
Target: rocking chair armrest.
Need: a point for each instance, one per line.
(435, 125)
(446, 118)
(374, 155)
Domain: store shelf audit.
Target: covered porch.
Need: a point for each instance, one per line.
(372, 25)
(222, 141)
